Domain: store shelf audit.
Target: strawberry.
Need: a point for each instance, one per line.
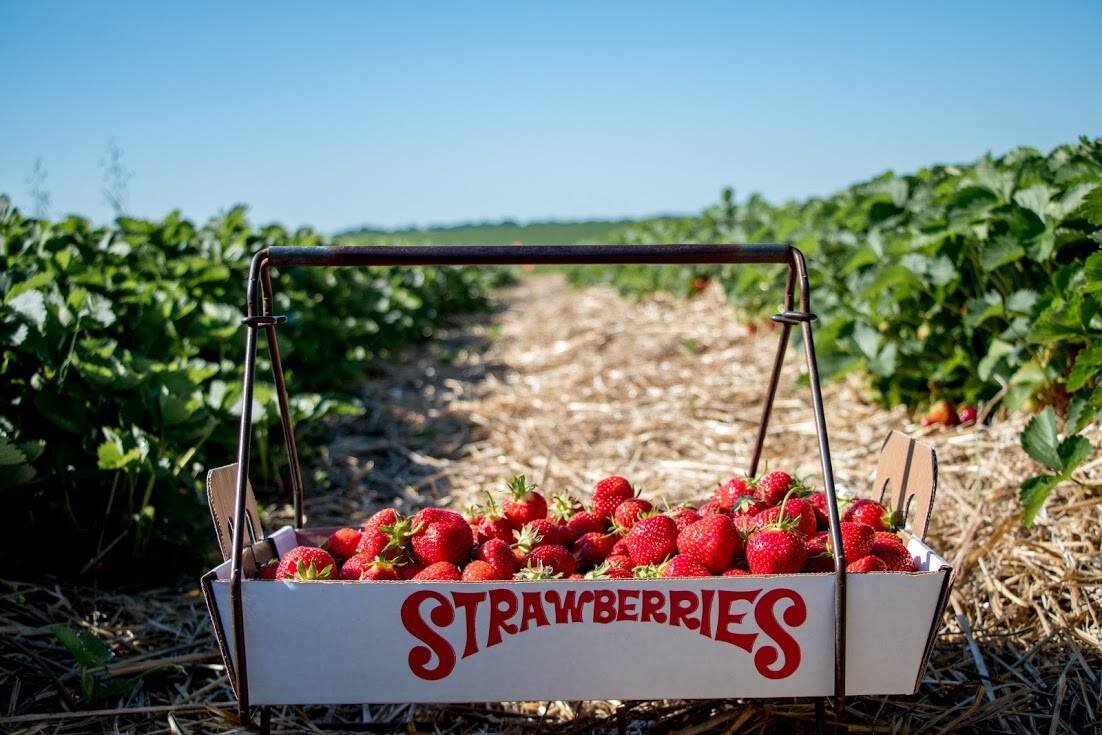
(744, 524)
(608, 571)
(384, 517)
(775, 550)
(343, 542)
(621, 561)
(527, 540)
(620, 549)
(441, 571)
(941, 412)
(353, 567)
(306, 563)
(440, 535)
(550, 532)
(865, 564)
(492, 523)
(967, 415)
(894, 555)
(483, 571)
(269, 570)
(817, 543)
(525, 504)
(747, 505)
(683, 565)
(497, 554)
(870, 513)
(772, 487)
(584, 522)
(553, 556)
(735, 572)
(684, 518)
(732, 490)
(857, 540)
(652, 539)
(711, 508)
(537, 571)
(794, 508)
(562, 508)
(629, 511)
(593, 548)
(609, 493)
(410, 570)
(818, 502)
(362, 567)
(711, 541)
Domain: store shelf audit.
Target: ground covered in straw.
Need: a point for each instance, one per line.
(567, 387)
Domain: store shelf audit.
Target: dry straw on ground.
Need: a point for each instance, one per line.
(568, 386)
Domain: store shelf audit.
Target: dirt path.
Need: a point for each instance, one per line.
(569, 386)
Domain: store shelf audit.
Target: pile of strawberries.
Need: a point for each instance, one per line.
(772, 525)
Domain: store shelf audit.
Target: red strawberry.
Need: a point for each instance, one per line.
(894, 555)
(775, 551)
(773, 486)
(628, 512)
(361, 567)
(870, 513)
(593, 548)
(857, 540)
(492, 523)
(967, 415)
(608, 571)
(306, 563)
(482, 571)
(620, 549)
(712, 541)
(818, 502)
(268, 571)
(584, 522)
(497, 554)
(440, 535)
(410, 570)
(562, 508)
(732, 490)
(941, 412)
(621, 561)
(817, 543)
(652, 539)
(353, 567)
(683, 565)
(384, 517)
(343, 542)
(744, 524)
(610, 492)
(550, 532)
(441, 571)
(793, 508)
(525, 504)
(685, 518)
(747, 505)
(554, 557)
(735, 572)
(711, 508)
(865, 564)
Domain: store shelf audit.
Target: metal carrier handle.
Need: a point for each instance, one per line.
(259, 316)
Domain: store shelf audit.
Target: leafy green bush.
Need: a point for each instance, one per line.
(973, 283)
(121, 373)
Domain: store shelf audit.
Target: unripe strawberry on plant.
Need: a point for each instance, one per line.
(525, 504)
(629, 511)
(342, 543)
(967, 415)
(499, 555)
(306, 563)
(683, 565)
(732, 490)
(441, 571)
(440, 535)
(871, 513)
(651, 540)
(609, 493)
(555, 557)
(712, 541)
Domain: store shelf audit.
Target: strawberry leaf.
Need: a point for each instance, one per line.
(1073, 451)
(1039, 439)
(1087, 364)
(1033, 494)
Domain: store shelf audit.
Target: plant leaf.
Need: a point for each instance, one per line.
(1039, 439)
(1033, 494)
(1073, 451)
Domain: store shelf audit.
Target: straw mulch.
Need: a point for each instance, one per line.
(569, 386)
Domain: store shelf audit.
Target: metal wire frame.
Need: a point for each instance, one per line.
(259, 316)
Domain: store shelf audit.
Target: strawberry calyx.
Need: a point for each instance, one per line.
(399, 533)
(310, 573)
(650, 571)
(537, 571)
(527, 539)
(562, 508)
(519, 487)
(599, 572)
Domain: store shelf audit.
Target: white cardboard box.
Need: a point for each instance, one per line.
(751, 636)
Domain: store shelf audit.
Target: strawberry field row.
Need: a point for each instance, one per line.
(120, 375)
(978, 283)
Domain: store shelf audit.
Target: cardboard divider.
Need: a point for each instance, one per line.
(906, 480)
(221, 493)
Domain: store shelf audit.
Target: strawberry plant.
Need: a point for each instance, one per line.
(120, 377)
(957, 284)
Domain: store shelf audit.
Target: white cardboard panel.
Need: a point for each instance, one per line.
(347, 642)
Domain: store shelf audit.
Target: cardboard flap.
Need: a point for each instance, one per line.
(906, 480)
(221, 490)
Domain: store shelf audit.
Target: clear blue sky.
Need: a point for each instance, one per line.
(339, 114)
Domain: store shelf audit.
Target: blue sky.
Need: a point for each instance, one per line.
(339, 114)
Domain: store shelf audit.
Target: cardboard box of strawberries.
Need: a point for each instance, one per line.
(536, 597)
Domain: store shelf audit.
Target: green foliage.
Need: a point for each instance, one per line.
(968, 283)
(494, 233)
(121, 370)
